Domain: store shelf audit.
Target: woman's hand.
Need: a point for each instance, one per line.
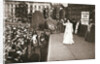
(62, 20)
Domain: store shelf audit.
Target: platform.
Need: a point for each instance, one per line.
(58, 51)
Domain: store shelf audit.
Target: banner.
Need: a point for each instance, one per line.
(85, 17)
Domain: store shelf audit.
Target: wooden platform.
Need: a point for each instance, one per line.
(81, 49)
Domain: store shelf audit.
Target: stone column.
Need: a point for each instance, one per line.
(28, 7)
(13, 10)
(9, 10)
(33, 8)
(37, 7)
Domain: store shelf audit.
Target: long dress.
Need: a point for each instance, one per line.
(68, 34)
(90, 34)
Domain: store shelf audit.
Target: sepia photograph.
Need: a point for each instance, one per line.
(45, 31)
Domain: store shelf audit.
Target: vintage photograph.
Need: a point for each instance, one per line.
(46, 31)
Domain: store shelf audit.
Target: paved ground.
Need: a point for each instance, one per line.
(79, 50)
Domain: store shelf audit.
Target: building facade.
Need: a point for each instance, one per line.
(10, 8)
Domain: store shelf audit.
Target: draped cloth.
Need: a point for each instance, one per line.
(37, 19)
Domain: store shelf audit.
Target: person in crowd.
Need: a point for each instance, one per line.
(44, 44)
(62, 27)
(90, 34)
(74, 25)
(28, 46)
(43, 40)
(68, 34)
(59, 26)
(18, 57)
(12, 53)
(35, 40)
(77, 28)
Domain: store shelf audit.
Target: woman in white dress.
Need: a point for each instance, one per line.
(68, 34)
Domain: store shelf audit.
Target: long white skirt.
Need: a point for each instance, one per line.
(68, 38)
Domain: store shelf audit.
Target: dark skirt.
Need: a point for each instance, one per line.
(90, 36)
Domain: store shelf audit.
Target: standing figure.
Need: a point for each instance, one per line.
(35, 39)
(90, 34)
(77, 27)
(68, 34)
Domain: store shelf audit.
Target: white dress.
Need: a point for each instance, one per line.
(68, 34)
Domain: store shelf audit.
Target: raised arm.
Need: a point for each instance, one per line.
(63, 22)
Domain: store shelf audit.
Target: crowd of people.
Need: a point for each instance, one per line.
(24, 45)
